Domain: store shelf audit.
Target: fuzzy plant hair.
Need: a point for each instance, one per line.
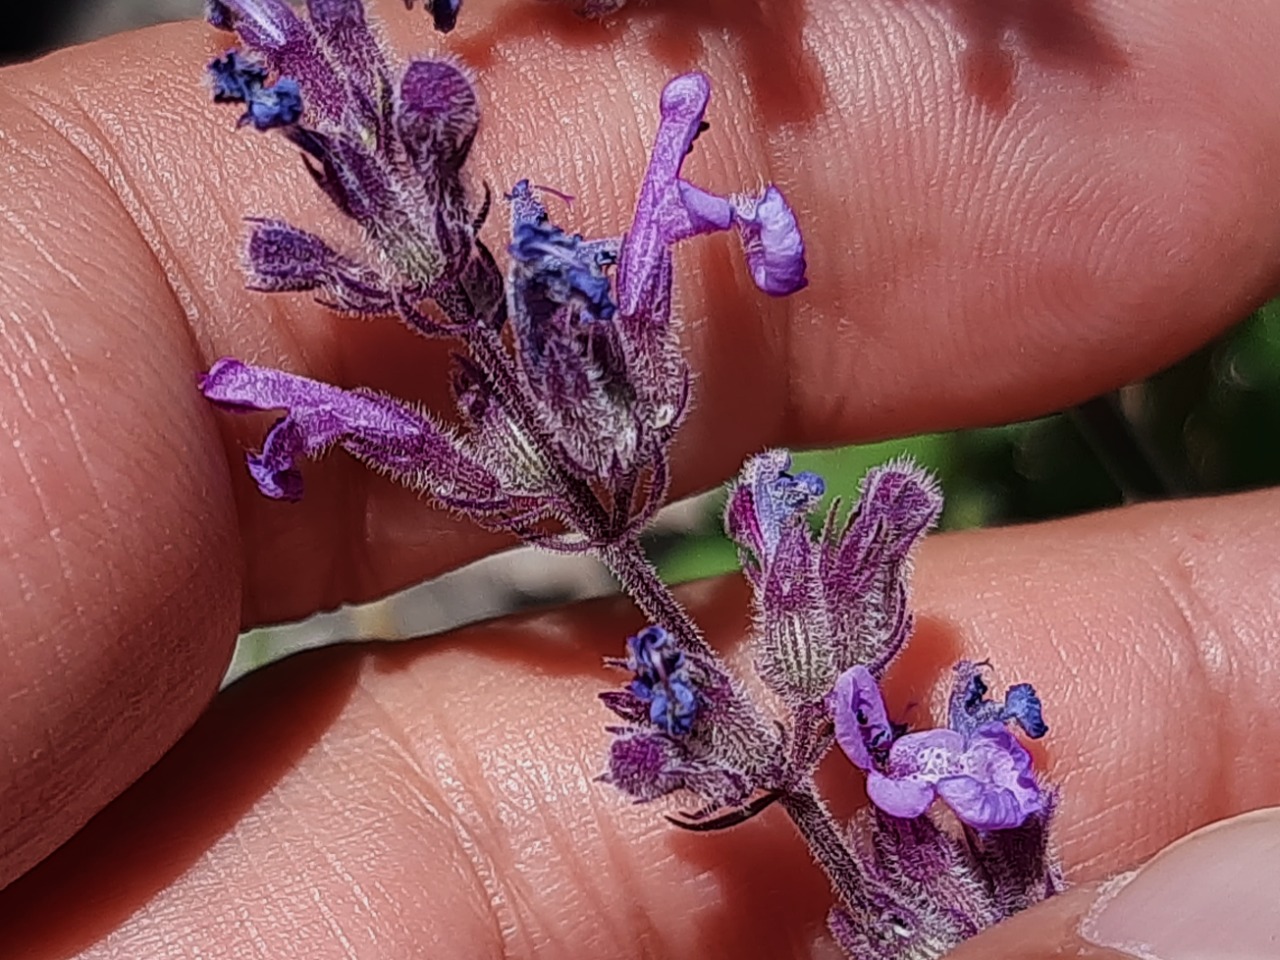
(571, 384)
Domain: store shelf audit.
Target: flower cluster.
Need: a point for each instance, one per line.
(565, 437)
(570, 385)
(831, 610)
(823, 603)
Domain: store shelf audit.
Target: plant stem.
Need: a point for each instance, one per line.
(826, 844)
(1122, 451)
(640, 580)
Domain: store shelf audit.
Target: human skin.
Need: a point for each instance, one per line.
(982, 247)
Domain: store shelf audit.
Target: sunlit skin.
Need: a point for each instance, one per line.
(995, 231)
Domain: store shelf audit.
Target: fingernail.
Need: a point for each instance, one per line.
(1214, 895)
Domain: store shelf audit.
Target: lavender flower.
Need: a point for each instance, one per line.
(574, 427)
(662, 680)
(831, 613)
(772, 242)
(827, 602)
(387, 150)
(566, 424)
(970, 708)
(687, 728)
(980, 771)
(236, 80)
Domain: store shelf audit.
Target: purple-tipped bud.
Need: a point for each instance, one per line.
(866, 566)
(772, 243)
(280, 258)
(237, 80)
(767, 499)
(438, 116)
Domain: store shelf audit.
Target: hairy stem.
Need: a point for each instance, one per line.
(640, 580)
(807, 812)
(828, 847)
(488, 352)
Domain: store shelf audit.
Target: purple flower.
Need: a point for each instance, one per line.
(386, 146)
(985, 779)
(969, 707)
(670, 209)
(984, 775)
(662, 680)
(562, 268)
(767, 499)
(388, 435)
(863, 729)
(567, 434)
(772, 242)
(236, 80)
(688, 728)
(828, 602)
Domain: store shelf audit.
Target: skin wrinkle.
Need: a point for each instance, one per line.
(396, 736)
(489, 840)
(106, 165)
(77, 787)
(480, 863)
(1176, 579)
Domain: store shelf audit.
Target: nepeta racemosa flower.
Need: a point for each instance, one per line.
(831, 611)
(805, 636)
(977, 767)
(829, 601)
(565, 438)
(570, 386)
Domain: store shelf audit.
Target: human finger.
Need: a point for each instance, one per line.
(438, 795)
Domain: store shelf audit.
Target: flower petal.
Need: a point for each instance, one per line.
(861, 720)
(378, 430)
(661, 216)
(899, 798)
(1022, 705)
(931, 754)
(980, 805)
(997, 789)
(772, 242)
(267, 106)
